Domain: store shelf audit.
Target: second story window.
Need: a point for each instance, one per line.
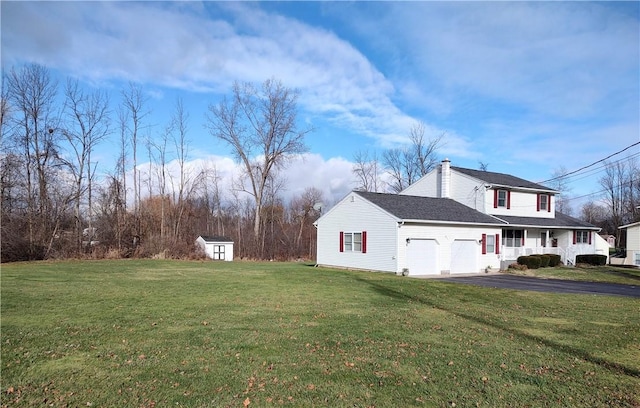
(544, 202)
(501, 199)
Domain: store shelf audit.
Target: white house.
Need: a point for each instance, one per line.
(216, 248)
(452, 220)
(633, 244)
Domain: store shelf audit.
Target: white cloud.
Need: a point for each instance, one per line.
(562, 59)
(165, 45)
(333, 177)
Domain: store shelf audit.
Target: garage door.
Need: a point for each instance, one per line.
(422, 257)
(464, 256)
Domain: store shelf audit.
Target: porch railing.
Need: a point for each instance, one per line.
(568, 255)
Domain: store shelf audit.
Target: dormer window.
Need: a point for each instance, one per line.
(501, 199)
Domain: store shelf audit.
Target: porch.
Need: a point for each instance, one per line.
(509, 255)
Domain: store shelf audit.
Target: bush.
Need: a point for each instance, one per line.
(591, 259)
(554, 260)
(531, 262)
(544, 260)
(518, 267)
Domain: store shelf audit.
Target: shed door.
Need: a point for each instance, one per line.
(422, 257)
(464, 256)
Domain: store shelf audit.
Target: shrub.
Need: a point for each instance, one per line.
(591, 259)
(554, 260)
(544, 260)
(518, 267)
(532, 262)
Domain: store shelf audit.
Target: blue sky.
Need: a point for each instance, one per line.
(524, 87)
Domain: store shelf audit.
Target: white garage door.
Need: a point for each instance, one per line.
(464, 256)
(422, 257)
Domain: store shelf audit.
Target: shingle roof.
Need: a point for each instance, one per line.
(408, 207)
(501, 179)
(215, 238)
(560, 221)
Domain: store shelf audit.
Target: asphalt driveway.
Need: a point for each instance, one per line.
(548, 285)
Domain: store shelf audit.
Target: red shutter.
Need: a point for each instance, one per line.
(575, 237)
(341, 241)
(589, 237)
(364, 242)
(508, 199)
(549, 203)
(538, 202)
(497, 243)
(495, 198)
(484, 244)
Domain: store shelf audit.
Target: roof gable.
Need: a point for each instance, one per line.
(501, 179)
(407, 207)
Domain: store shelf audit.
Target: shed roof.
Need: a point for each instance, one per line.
(216, 238)
(501, 179)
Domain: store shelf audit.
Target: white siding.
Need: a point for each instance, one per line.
(633, 245)
(427, 186)
(445, 236)
(355, 214)
(467, 190)
(462, 188)
(522, 204)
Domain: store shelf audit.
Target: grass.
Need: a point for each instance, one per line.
(610, 274)
(153, 333)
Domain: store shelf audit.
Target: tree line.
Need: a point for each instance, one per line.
(56, 203)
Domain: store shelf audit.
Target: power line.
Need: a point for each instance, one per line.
(592, 164)
(592, 172)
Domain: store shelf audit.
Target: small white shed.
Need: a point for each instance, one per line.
(216, 248)
(633, 243)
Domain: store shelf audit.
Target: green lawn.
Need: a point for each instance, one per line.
(611, 274)
(201, 334)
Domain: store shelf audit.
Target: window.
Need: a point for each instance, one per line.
(637, 259)
(353, 241)
(582, 237)
(491, 244)
(513, 238)
(218, 252)
(502, 199)
(544, 202)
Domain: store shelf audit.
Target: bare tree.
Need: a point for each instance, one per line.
(619, 186)
(31, 93)
(260, 126)
(593, 213)
(134, 103)
(406, 165)
(304, 209)
(560, 183)
(87, 126)
(366, 168)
